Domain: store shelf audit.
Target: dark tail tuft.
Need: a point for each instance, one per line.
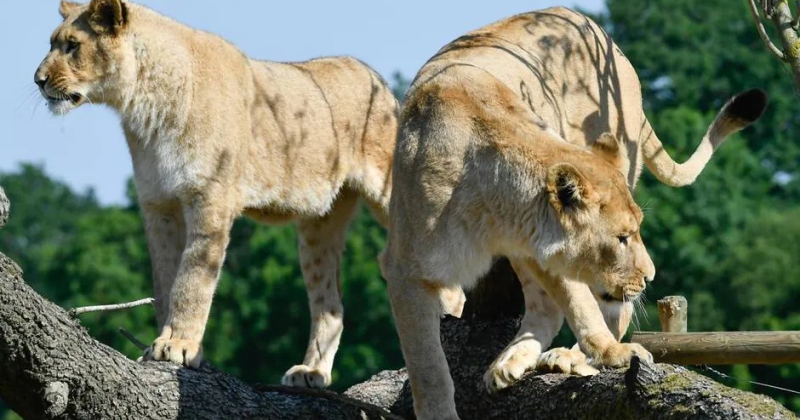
(748, 105)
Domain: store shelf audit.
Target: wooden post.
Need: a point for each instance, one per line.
(672, 312)
(722, 348)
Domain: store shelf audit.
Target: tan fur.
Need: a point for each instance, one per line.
(214, 134)
(496, 155)
(576, 85)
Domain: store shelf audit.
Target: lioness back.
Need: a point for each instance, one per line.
(321, 123)
(577, 82)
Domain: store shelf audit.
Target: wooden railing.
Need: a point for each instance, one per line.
(675, 345)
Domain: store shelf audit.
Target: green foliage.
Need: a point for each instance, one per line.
(725, 242)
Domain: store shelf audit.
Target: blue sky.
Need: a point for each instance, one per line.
(86, 147)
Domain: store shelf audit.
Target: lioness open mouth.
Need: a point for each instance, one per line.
(72, 97)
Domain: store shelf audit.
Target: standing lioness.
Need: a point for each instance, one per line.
(493, 159)
(214, 134)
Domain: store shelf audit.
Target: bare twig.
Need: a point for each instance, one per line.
(132, 338)
(760, 27)
(97, 308)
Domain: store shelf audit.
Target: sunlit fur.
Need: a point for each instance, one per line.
(562, 75)
(524, 139)
(213, 135)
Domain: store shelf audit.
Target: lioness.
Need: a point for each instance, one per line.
(493, 158)
(214, 134)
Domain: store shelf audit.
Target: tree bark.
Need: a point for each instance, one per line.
(779, 12)
(51, 368)
(497, 295)
(784, 22)
(644, 391)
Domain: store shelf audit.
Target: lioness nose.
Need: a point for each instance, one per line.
(39, 80)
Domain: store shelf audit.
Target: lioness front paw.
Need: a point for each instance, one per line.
(620, 355)
(507, 369)
(304, 376)
(185, 352)
(564, 360)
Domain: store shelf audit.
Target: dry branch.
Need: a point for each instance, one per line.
(112, 307)
(763, 32)
(780, 14)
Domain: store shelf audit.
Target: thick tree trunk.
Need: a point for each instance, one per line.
(497, 295)
(645, 391)
(51, 368)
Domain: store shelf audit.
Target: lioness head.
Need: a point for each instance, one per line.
(602, 245)
(83, 54)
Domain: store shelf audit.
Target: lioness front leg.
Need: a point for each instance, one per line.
(586, 321)
(208, 228)
(166, 239)
(321, 242)
(617, 316)
(543, 319)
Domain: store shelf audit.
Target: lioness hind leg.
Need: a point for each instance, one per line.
(541, 323)
(451, 298)
(416, 309)
(321, 243)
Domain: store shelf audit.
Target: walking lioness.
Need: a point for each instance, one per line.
(214, 134)
(496, 156)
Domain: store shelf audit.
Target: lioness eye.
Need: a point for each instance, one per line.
(72, 46)
(623, 240)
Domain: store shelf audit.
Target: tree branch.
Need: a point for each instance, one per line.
(645, 391)
(50, 367)
(113, 307)
(763, 32)
(781, 16)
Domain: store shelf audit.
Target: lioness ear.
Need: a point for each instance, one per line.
(568, 188)
(66, 8)
(107, 16)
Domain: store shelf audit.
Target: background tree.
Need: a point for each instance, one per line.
(710, 241)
